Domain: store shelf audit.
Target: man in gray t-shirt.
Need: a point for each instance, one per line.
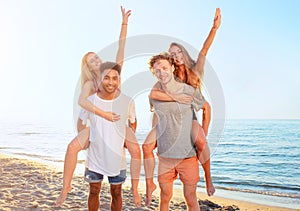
(175, 147)
(174, 127)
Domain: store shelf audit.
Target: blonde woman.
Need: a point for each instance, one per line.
(190, 72)
(90, 75)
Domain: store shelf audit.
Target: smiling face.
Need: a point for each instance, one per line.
(93, 62)
(110, 81)
(177, 54)
(163, 71)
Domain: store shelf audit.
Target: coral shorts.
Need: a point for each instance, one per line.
(170, 168)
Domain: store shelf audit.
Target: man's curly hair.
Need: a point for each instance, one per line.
(161, 56)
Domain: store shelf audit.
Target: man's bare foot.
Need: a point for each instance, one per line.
(136, 198)
(149, 190)
(210, 189)
(62, 196)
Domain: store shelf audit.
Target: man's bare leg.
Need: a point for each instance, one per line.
(116, 197)
(166, 193)
(94, 198)
(191, 197)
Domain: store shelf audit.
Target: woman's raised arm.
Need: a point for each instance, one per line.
(199, 68)
(123, 34)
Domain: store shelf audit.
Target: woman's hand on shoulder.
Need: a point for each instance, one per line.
(111, 116)
(183, 98)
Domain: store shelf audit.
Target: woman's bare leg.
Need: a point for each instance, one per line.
(149, 164)
(134, 150)
(81, 141)
(203, 155)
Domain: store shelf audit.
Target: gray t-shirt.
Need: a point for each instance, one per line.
(175, 124)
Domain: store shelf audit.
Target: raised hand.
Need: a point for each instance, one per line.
(125, 15)
(217, 18)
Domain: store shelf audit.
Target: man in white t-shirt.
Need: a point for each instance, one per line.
(106, 155)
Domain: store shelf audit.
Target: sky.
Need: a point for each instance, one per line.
(255, 53)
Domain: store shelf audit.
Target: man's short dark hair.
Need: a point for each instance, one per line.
(110, 65)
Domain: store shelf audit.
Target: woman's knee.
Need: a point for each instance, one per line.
(74, 146)
(134, 150)
(147, 148)
(200, 140)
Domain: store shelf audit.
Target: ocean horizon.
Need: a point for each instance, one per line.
(255, 160)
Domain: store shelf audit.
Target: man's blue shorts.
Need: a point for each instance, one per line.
(93, 177)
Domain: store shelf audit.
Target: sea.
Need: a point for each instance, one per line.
(254, 160)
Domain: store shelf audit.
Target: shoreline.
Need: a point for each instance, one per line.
(35, 186)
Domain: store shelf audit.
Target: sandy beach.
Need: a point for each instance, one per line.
(29, 185)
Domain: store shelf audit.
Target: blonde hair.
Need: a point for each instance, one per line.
(189, 66)
(86, 73)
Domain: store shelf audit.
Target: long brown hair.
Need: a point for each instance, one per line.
(189, 65)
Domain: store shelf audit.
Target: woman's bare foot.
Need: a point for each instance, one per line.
(210, 189)
(136, 198)
(150, 188)
(62, 196)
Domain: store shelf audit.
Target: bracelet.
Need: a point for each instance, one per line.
(124, 24)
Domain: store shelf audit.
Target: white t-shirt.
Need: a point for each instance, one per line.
(106, 154)
(83, 115)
